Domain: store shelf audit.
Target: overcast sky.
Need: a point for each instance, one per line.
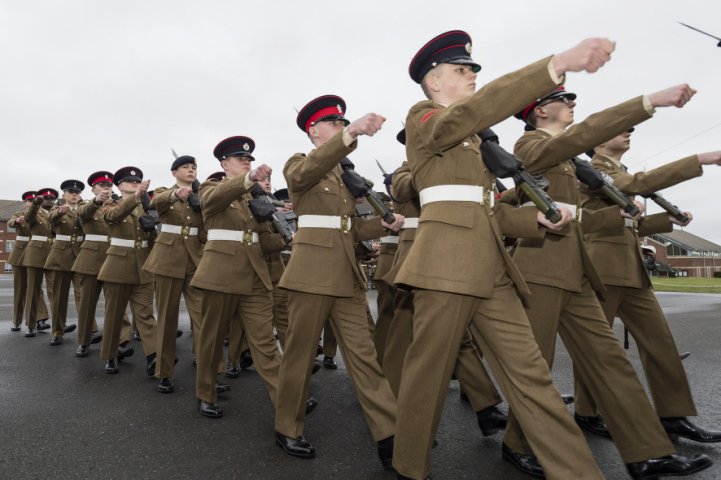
(91, 85)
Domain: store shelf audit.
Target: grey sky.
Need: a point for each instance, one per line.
(101, 85)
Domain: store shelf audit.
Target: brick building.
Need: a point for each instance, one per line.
(687, 252)
(7, 237)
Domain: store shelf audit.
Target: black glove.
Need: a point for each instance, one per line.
(148, 222)
(355, 183)
(261, 209)
(194, 202)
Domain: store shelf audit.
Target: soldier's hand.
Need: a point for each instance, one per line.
(709, 158)
(369, 124)
(102, 197)
(142, 188)
(38, 200)
(20, 221)
(565, 218)
(679, 222)
(259, 173)
(589, 55)
(63, 209)
(641, 209)
(183, 192)
(676, 96)
(396, 225)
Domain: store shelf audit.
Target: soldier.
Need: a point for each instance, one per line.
(232, 275)
(65, 248)
(384, 300)
(20, 276)
(629, 293)
(324, 280)
(36, 254)
(174, 259)
(564, 283)
(122, 273)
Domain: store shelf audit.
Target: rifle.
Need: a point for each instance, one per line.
(263, 208)
(149, 222)
(366, 246)
(362, 187)
(672, 209)
(595, 180)
(504, 164)
(193, 199)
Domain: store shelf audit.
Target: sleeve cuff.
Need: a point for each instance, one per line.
(247, 182)
(647, 105)
(556, 79)
(347, 138)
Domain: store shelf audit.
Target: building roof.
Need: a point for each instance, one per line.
(8, 207)
(689, 241)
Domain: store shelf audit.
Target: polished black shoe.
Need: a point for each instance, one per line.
(211, 410)
(298, 447)
(136, 335)
(15, 328)
(42, 325)
(232, 371)
(568, 399)
(246, 360)
(125, 351)
(316, 367)
(526, 463)
(31, 332)
(594, 425)
(673, 465)
(82, 351)
(491, 421)
(403, 477)
(111, 367)
(310, 405)
(165, 385)
(96, 337)
(329, 363)
(70, 328)
(221, 387)
(150, 362)
(681, 427)
(178, 333)
(385, 452)
(684, 355)
(56, 340)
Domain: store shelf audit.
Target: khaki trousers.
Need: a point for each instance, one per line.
(501, 328)
(348, 318)
(117, 297)
(598, 357)
(330, 344)
(255, 312)
(60, 298)
(384, 303)
(20, 289)
(89, 289)
(639, 310)
(35, 308)
(167, 299)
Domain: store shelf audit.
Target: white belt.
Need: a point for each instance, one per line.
(410, 223)
(122, 242)
(325, 221)
(95, 238)
(178, 230)
(389, 239)
(20, 238)
(630, 223)
(69, 238)
(456, 193)
(576, 212)
(39, 238)
(232, 235)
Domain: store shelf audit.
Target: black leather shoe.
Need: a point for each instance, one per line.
(178, 333)
(594, 425)
(70, 328)
(56, 340)
(136, 335)
(125, 351)
(211, 410)
(150, 362)
(526, 463)
(111, 367)
(684, 355)
(329, 363)
(232, 371)
(681, 427)
(385, 452)
(403, 477)
(568, 399)
(298, 447)
(246, 360)
(96, 337)
(42, 325)
(165, 385)
(82, 351)
(310, 405)
(15, 328)
(31, 332)
(316, 367)
(491, 420)
(673, 465)
(221, 387)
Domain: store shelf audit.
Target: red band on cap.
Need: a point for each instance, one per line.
(29, 197)
(104, 179)
(323, 112)
(428, 115)
(448, 48)
(47, 193)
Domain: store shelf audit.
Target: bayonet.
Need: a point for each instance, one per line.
(383, 171)
(174, 154)
(705, 33)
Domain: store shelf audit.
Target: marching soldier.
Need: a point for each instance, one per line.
(173, 260)
(122, 274)
(65, 248)
(324, 280)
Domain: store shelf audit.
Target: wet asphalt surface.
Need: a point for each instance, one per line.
(62, 417)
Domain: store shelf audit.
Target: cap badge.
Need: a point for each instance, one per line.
(340, 110)
(132, 172)
(469, 48)
(246, 147)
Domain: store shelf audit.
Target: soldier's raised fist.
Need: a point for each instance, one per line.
(260, 172)
(589, 56)
(676, 96)
(369, 124)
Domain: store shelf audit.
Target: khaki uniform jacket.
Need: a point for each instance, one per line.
(92, 254)
(323, 260)
(36, 253)
(125, 264)
(16, 256)
(443, 149)
(63, 253)
(272, 244)
(227, 266)
(549, 155)
(175, 255)
(618, 258)
(407, 204)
